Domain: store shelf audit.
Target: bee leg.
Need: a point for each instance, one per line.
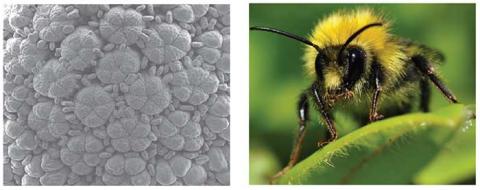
(303, 116)
(425, 95)
(377, 80)
(322, 108)
(426, 68)
(374, 115)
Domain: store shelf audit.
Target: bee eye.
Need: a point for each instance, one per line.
(356, 57)
(319, 61)
(355, 64)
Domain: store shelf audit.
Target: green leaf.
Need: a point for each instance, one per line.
(262, 166)
(399, 150)
(455, 163)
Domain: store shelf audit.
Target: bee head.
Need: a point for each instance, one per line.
(340, 66)
(339, 69)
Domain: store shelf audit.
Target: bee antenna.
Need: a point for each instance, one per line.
(354, 35)
(287, 34)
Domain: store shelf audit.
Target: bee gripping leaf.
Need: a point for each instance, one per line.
(401, 150)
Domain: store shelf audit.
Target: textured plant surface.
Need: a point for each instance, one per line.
(116, 95)
(422, 148)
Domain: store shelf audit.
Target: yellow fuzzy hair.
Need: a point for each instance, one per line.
(335, 29)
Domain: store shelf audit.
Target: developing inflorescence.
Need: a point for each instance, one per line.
(116, 95)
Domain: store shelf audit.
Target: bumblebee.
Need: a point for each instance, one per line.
(359, 67)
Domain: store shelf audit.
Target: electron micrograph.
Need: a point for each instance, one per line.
(116, 94)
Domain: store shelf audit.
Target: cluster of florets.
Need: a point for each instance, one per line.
(116, 95)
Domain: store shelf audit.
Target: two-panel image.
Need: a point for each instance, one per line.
(139, 94)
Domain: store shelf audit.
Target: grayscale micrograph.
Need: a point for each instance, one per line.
(116, 95)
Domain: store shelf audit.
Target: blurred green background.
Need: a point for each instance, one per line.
(277, 76)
